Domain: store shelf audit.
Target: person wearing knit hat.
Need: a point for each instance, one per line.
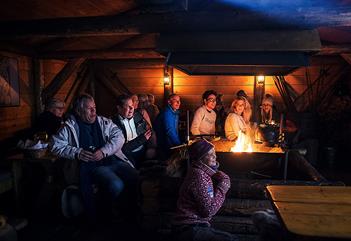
(201, 196)
(268, 113)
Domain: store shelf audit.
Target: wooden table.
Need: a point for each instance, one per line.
(315, 211)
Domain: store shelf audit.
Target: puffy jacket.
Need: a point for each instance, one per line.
(201, 195)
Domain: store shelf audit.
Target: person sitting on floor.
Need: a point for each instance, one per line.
(201, 196)
(135, 128)
(93, 146)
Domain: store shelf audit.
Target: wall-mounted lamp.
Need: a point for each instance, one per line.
(166, 76)
(260, 79)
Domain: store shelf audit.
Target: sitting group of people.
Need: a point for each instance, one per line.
(108, 153)
(212, 118)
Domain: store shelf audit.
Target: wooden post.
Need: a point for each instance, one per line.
(259, 89)
(38, 85)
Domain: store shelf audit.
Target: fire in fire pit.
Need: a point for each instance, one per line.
(242, 144)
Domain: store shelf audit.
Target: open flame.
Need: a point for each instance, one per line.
(242, 144)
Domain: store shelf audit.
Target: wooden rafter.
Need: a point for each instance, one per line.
(70, 67)
(182, 21)
(103, 54)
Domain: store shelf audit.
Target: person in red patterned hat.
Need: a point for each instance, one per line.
(201, 196)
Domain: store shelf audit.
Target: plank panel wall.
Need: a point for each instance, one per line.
(50, 70)
(15, 118)
(190, 88)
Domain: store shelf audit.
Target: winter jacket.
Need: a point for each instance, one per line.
(201, 195)
(167, 128)
(65, 144)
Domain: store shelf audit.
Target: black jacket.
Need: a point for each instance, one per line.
(141, 127)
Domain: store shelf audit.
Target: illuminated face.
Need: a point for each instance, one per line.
(239, 107)
(210, 158)
(174, 102)
(210, 102)
(266, 107)
(127, 110)
(89, 112)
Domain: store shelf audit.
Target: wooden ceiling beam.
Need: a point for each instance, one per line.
(17, 49)
(335, 49)
(103, 54)
(176, 21)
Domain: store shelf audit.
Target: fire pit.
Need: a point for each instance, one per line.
(263, 160)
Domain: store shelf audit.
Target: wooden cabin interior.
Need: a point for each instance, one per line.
(107, 48)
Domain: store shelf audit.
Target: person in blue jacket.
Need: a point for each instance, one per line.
(166, 126)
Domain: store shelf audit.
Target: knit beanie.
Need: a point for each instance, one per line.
(199, 149)
(268, 99)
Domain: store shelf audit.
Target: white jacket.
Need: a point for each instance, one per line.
(65, 143)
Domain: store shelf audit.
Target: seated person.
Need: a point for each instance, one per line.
(204, 121)
(92, 144)
(51, 119)
(201, 196)
(138, 108)
(235, 121)
(152, 109)
(136, 130)
(221, 115)
(167, 126)
(247, 110)
(268, 113)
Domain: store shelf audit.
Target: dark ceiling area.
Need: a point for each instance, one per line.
(130, 30)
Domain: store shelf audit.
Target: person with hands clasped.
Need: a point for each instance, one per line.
(92, 144)
(201, 196)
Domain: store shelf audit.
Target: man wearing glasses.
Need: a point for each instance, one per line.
(204, 122)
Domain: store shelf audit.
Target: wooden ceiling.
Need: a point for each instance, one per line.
(107, 29)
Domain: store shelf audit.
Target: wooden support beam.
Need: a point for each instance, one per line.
(17, 49)
(335, 49)
(107, 83)
(301, 18)
(81, 76)
(38, 85)
(122, 86)
(103, 54)
(54, 44)
(347, 57)
(61, 78)
(132, 64)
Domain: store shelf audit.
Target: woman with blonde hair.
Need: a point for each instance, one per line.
(235, 121)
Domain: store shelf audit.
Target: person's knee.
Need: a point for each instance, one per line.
(115, 188)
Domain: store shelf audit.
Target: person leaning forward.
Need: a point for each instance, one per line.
(136, 130)
(93, 146)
